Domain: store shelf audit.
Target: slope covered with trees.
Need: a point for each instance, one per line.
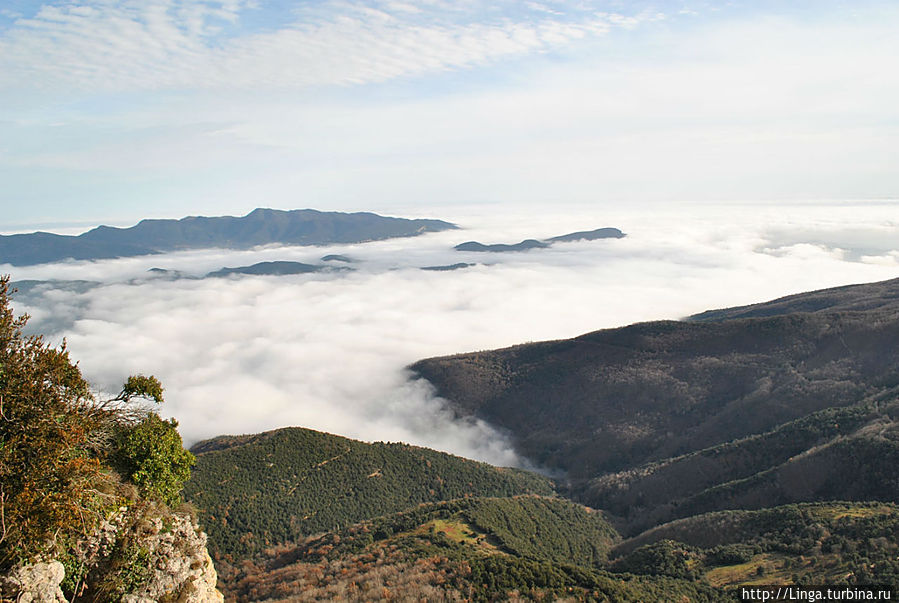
(788, 401)
(484, 549)
(469, 549)
(655, 390)
(812, 543)
(837, 453)
(473, 549)
(280, 486)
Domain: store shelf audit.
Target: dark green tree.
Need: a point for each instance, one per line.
(154, 458)
(141, 386)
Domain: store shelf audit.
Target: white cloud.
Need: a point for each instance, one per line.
(328, 352)
(175, 44)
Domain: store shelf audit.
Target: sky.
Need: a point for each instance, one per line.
(116, 110)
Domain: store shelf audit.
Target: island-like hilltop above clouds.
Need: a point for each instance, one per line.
(259, 227)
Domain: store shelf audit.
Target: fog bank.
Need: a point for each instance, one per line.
(329, 351)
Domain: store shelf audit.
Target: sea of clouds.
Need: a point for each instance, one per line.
(329, 351)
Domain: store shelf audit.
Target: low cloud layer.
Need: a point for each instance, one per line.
(329, 351)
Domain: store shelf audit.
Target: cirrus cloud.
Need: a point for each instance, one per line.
(132, 45)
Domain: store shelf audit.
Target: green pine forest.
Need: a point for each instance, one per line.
(283, 485)
(497, 533)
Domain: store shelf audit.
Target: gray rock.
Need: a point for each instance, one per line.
(179, 567)
(182, 570)
(37, 583)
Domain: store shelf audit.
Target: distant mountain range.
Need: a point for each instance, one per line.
(259, 227)
(585, 235)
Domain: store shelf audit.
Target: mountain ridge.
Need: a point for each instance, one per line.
(262, 226)
(525, 245)
(787, 401)
(882, 295)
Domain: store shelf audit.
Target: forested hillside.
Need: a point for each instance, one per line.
(656, 390)
(486, 549)
(475, 549)
(277, 487)
(790, 401)
(833, 454)
(812, 543)
(469, 546)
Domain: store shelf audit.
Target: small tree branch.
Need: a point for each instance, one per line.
(3, 528)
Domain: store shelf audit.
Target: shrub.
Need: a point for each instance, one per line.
(154, 458)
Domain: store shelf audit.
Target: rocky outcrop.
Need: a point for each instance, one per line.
(36, 583)
(142, 554)
(181, 570)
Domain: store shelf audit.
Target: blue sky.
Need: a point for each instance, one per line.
(113, 110)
